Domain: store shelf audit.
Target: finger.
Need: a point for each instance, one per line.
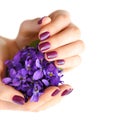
(59, 20)
(44, 21)
(9, 94)
(69, 50)
(34, 25)
(9, 106)
(68, 35)
(64, 90)
(46, 96)
(68, 62)
(48, 104)
(29, 30)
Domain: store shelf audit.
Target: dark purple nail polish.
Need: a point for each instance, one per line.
(40, 21)
(51, 55)
(18, 99)
(44, 36)
(60, 62)
(55, 92)
(44, 46)
(66, 92)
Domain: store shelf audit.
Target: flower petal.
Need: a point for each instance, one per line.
(37, 87)
(35, 97)
(37, 63)
(16, 82)
(23, 72)
(30, 73)
(29, 92)
(17, 57)
(51, 67)
(45, 82)
(12, 73)
(7, 80)
(55, 81)
(37, 75)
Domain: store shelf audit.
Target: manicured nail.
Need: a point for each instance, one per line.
(51, 55)
(44, 36)
(55, 92)
(44, 46)
(60, 62)
(66, 92)
(40, 21)
(18, 99)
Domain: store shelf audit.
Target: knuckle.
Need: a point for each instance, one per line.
(51, 88)
(83, 45)
(36, 111)
(62, 12)
(1, 95)
(75, 29)
(29, 21)
(64, 17)
(24, 22)
(64, 86)
(3, 92)
(78, 59)
(28, 108)
(80, 45)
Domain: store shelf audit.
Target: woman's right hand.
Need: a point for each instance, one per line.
(11, 99)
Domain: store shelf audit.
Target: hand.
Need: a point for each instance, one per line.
(11, 99)
(62, 38)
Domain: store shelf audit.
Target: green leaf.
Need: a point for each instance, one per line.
(34, 43)
(61, 69)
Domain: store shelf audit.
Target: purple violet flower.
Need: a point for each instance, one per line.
(31, 74)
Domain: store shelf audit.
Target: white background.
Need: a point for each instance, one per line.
(96, 81)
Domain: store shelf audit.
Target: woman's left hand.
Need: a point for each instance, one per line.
(60, 39)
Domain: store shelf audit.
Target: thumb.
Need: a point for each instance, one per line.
(9, 94)
(29, 30)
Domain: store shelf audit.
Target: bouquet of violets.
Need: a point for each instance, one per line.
(30, 73)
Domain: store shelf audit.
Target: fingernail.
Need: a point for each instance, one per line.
(66, 92)
(18, 99)
(40, 21)
(44, 46)
(60, 62)
(44, 36)
(55, 92)
(51, 55)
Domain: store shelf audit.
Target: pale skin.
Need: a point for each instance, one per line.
(64, 39)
